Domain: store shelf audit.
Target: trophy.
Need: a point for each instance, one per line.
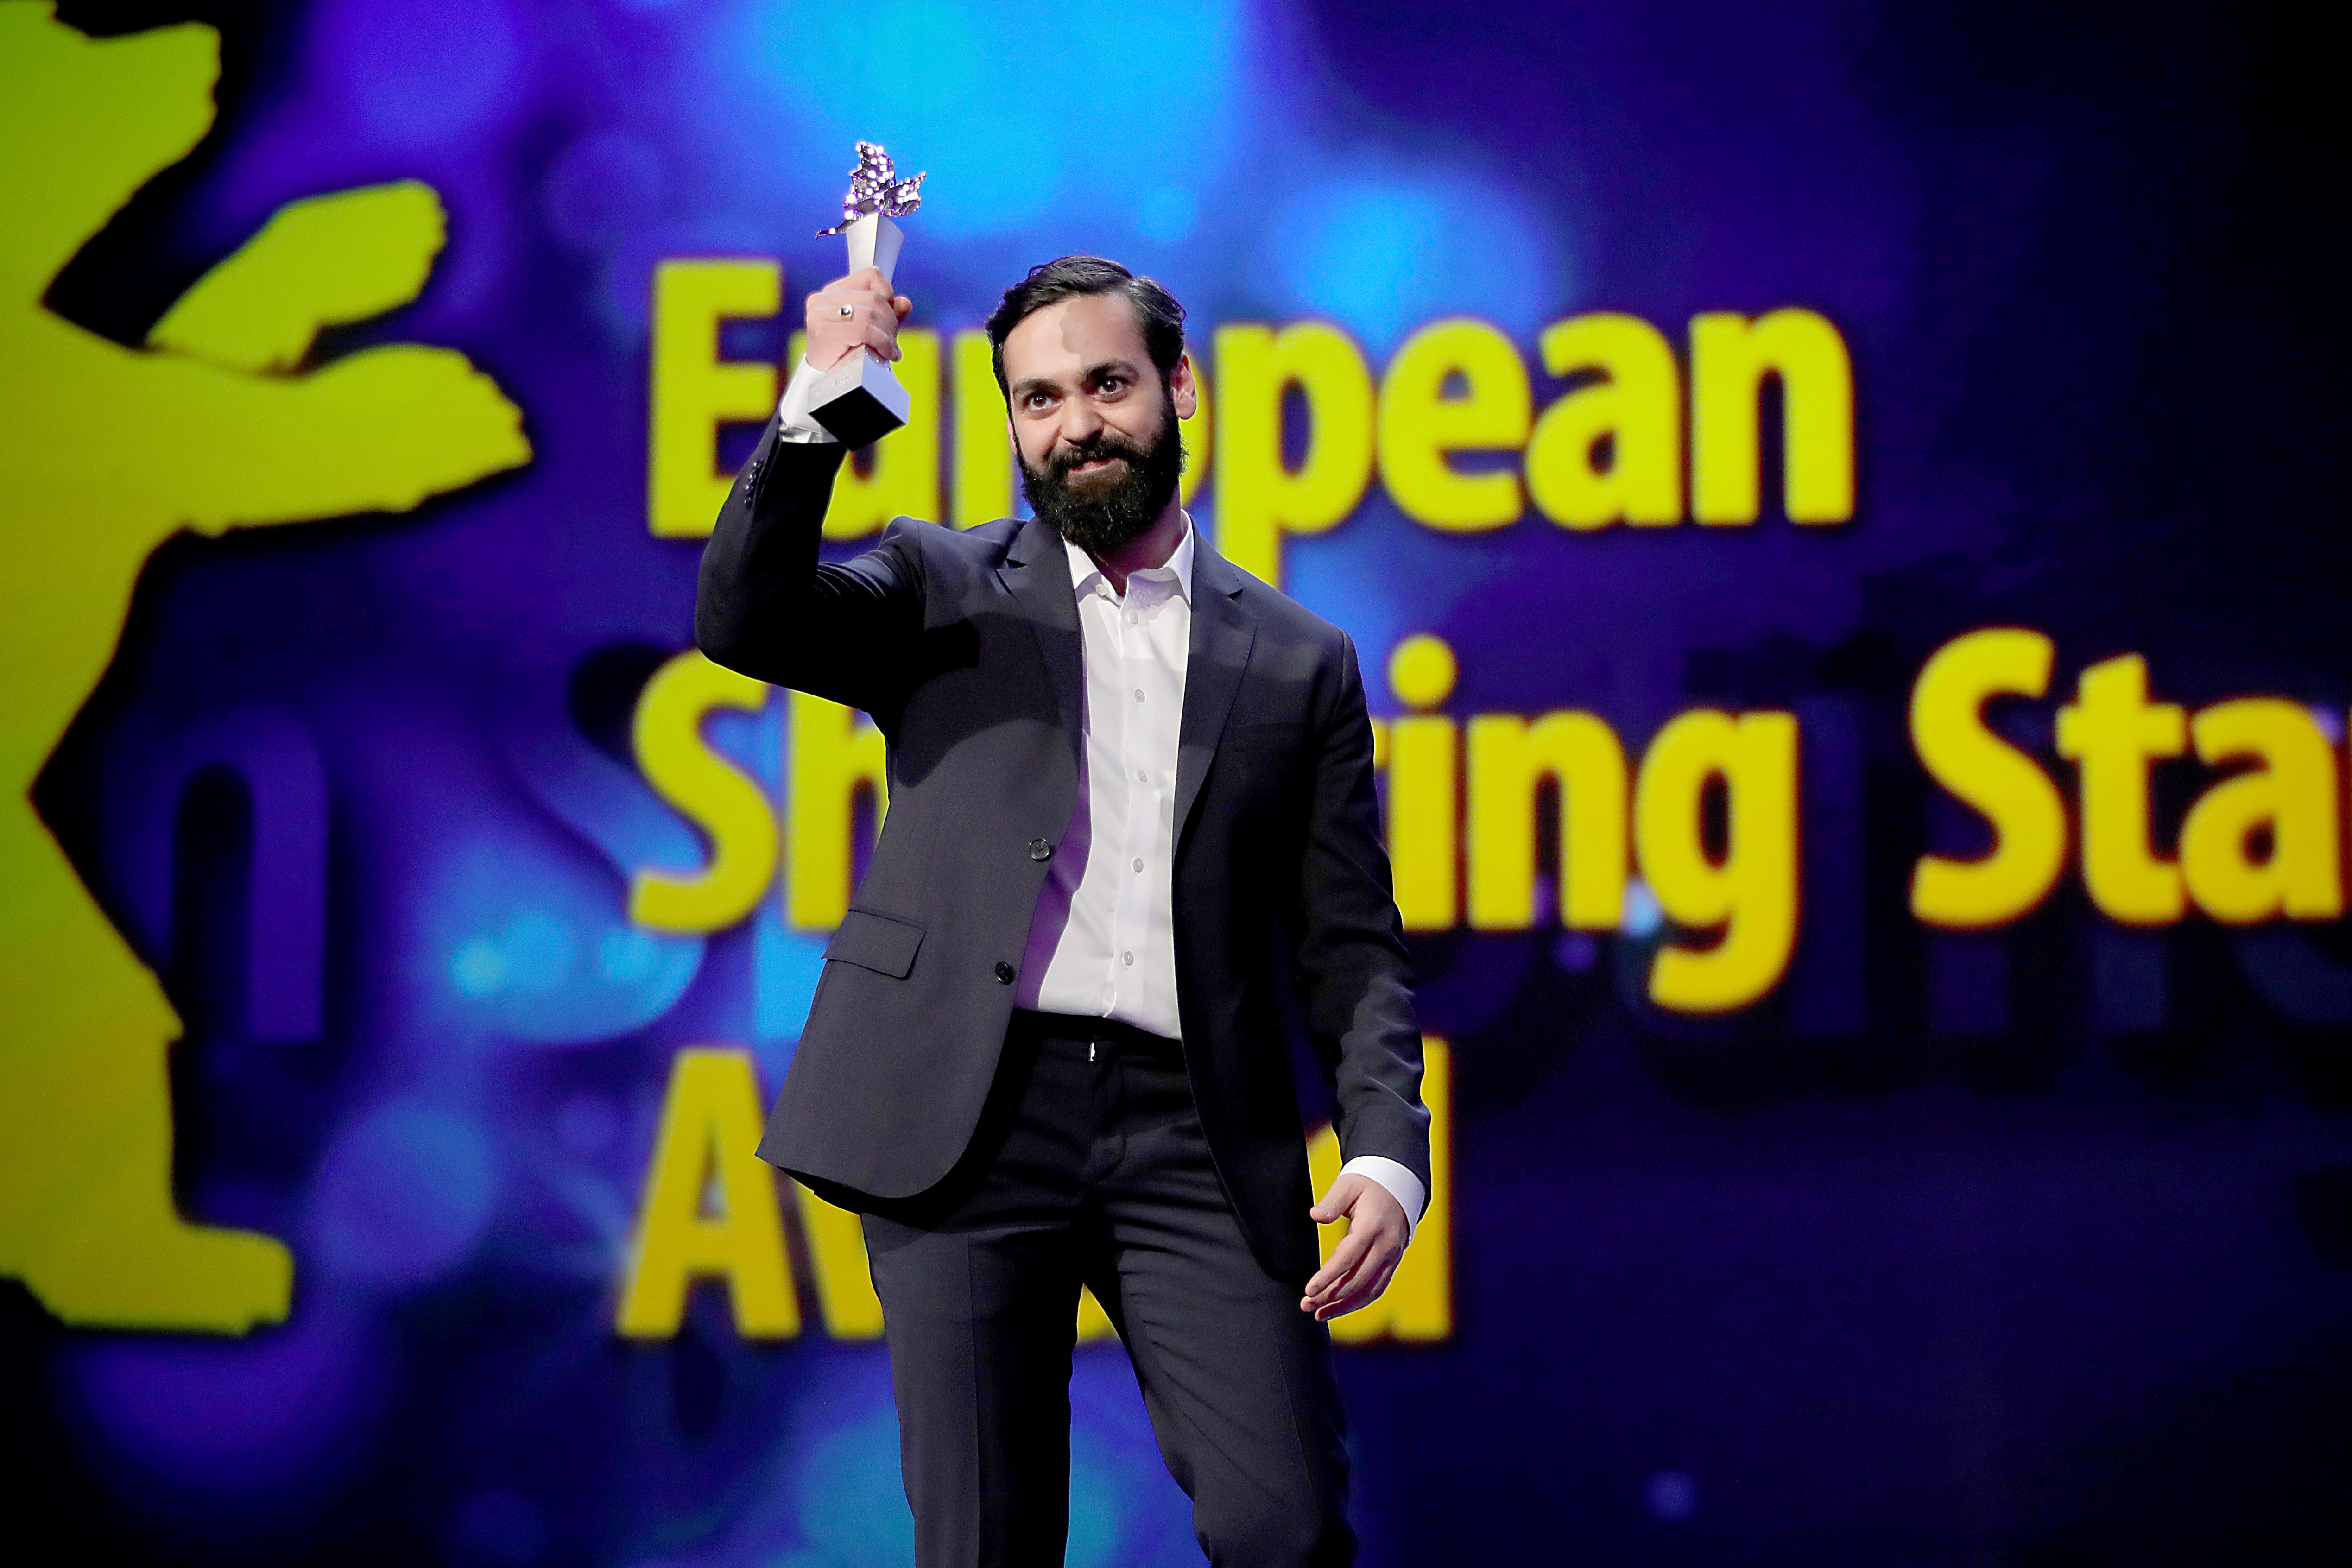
(859, 401)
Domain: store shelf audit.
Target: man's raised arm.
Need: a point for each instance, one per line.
(763, 603)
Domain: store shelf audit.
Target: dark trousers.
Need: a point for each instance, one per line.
(1090, 1166)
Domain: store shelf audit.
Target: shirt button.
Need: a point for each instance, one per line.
(1004, 972)
(1132, 618)
(1127, 958)
(1138, 863)
(1142, 777)
(1138, 694)
(1040, 851)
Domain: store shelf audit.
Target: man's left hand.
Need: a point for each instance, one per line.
(1366, 1258)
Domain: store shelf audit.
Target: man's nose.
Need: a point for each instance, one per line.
(1081, 423)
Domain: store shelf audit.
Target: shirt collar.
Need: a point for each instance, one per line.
(1178, 570)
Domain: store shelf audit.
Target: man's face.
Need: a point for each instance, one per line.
(1092, 423)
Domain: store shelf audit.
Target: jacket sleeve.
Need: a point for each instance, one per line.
(766, 607)
(1352, 969)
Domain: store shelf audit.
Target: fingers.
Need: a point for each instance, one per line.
(1362, 1266)
(869, 280)
(1361, 1291)
(1346, 1291)
(852, 313)
(1344, 1259)
(1365, 1258)
(866, 287)
(1360, 1270)
(875, 330)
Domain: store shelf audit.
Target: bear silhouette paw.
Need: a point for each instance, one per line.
(191, 1278)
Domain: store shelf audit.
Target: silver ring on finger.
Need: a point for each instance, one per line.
(847, 311)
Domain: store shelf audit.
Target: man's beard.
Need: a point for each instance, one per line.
(1100, 514)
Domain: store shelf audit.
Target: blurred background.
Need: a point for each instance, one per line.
(372, 367)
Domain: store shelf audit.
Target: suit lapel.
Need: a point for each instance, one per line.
(1037, 573)
(1223, 633)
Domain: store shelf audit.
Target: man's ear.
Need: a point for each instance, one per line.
(1181, 387)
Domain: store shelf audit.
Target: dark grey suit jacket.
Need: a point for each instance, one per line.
(965, 649)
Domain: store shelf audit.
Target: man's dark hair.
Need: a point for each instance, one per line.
(1051, 282)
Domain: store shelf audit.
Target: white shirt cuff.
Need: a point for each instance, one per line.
(792, 421)
(1400, 1181)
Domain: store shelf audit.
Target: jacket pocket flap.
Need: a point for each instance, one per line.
(876, 943)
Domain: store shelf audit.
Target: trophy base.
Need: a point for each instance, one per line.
(858, 401)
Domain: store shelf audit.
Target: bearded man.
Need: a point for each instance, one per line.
(1127, 780)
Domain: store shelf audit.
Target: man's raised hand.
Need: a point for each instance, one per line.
(1366, 1258)
(870, 320)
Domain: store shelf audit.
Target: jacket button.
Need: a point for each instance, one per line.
(1040, 851)
(1004, 973)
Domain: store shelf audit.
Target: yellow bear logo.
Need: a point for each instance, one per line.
(104, 452)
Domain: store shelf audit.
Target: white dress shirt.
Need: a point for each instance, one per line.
(792, 421)
(1103, 942)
